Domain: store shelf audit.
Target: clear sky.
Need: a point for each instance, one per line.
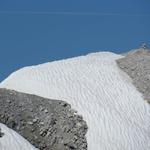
(37, 31)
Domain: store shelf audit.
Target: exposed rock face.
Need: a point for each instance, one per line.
(137, 65)
(47, 124)
(1, 134)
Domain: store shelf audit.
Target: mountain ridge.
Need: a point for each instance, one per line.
(113, 108)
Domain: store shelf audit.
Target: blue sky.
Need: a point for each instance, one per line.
(36, 31)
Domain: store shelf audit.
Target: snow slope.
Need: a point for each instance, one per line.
(13, 141)
(117, 116)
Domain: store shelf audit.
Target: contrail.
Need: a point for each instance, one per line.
(73, 13)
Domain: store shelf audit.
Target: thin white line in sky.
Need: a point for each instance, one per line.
(72, 13)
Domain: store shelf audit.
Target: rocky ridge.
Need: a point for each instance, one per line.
(136, 64)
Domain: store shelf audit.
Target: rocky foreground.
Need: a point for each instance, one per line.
(47, 124)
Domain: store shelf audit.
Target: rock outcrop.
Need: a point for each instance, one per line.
(136, 64)
(47, 124)
(1, 134)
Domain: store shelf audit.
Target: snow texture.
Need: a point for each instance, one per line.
(117, 116)
(10, 140)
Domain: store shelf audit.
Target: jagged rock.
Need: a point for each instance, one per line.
(47, 124)
(144, 46)
(136, 64)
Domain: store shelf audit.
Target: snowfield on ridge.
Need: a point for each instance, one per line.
(117, 116)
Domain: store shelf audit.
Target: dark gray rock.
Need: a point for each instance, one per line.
(47, 124)
(136, 64)
(1, 134)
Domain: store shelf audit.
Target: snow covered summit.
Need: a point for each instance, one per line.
(117, 116)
